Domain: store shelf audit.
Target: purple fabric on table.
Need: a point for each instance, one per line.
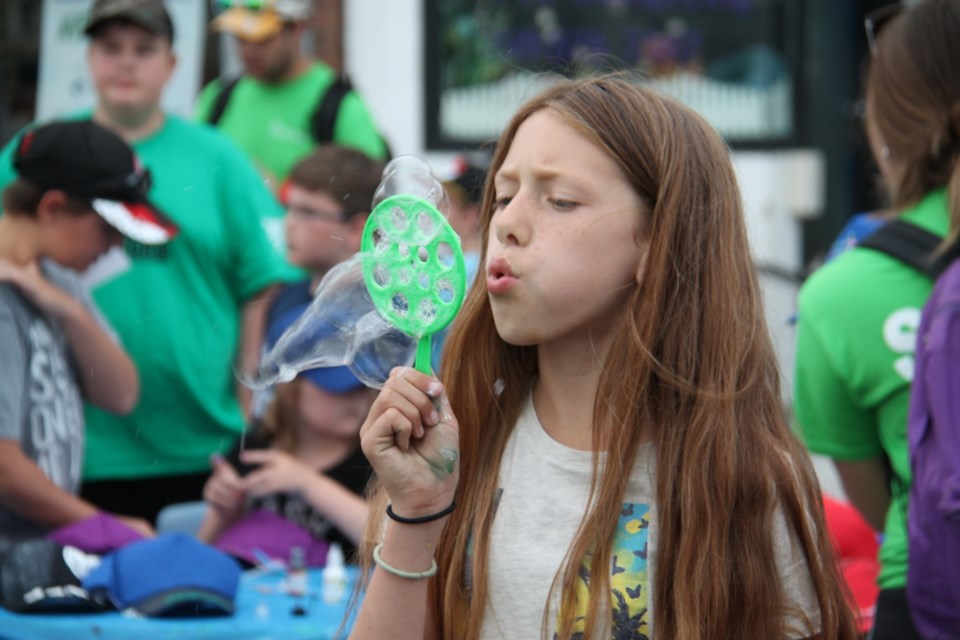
(273, 535)
(933, 574)
(99, 534)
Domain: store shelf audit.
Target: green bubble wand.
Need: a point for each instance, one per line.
(414, 269)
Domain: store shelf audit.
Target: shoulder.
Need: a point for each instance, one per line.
(210, 90)
(861, 277)
(181, 130)
(204, 141)
(321, 73)
(64, 278)
(11, 304)
(291, 296)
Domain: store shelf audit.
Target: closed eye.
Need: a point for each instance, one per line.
(564, 205)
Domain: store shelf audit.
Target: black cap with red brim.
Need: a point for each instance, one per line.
(85, 160)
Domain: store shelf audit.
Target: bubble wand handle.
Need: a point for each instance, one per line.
(423, 362)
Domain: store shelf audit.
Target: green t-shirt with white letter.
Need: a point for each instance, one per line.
(856, 334)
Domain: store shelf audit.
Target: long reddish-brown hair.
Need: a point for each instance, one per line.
(691, 367)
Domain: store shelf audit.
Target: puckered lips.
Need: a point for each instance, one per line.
(500, 277)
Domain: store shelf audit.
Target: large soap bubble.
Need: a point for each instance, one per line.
(345, 325)
(340, 327)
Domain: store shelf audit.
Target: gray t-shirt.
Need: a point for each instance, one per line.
(543, 495)
(41, 406)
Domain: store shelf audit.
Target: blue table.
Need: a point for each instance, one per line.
(264, 611)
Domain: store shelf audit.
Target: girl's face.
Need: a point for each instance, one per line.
(332, 415)
(564, 249)
(130, 67)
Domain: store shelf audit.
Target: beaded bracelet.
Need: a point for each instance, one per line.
(421, 519)
(410, 575)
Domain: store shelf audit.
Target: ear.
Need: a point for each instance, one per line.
(51, 205)
(172, 65)
(355, 224)
(642, 261)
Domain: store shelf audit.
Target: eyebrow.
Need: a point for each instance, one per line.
(543, 175)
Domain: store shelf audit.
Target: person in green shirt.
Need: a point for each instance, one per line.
(190, 312)
(859, 314)
(270, 107)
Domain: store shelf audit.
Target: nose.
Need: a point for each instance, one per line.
(509, 223)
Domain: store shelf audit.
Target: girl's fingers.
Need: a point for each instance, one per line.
(388, 430)
(421, 391)
(412, 393)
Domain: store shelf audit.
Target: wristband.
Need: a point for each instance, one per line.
(421, 519)
(409, 575)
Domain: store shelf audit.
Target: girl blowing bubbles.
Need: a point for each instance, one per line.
(634, 468)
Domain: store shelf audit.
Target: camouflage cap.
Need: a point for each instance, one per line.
(152, 15)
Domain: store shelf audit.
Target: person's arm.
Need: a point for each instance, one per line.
(25, 490)
(252, 329)
(280, 472)
(866, 483)
(28, 492)
(835, 422)
(415, 454)
(108, 376)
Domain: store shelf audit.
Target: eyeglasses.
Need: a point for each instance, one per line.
(875, 21)
(309, 213)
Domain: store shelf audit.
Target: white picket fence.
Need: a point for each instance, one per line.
(738, 112)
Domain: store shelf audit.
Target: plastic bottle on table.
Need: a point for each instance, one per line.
(297, 572)
(334, 585)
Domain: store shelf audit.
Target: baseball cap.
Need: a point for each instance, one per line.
(88, 161)
(170, 575)
(331, 379)
(150, 14)
(264, 534)
(257, 20)
(41, 576)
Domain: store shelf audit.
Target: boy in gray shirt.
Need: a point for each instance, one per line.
(80, 191)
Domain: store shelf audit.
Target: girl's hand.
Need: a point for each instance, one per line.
(224, 491)
(278, 472)
(413, 446)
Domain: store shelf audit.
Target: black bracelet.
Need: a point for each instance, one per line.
(421, 519)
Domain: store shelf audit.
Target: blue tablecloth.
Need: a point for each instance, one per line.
(264, 611)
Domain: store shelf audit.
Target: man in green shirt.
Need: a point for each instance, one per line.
(269, 110)
(189, 313)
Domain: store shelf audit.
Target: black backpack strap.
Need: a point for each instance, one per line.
(220, 103)
(910, 244)
(324, 117)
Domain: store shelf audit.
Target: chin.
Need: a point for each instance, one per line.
(517, 336)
